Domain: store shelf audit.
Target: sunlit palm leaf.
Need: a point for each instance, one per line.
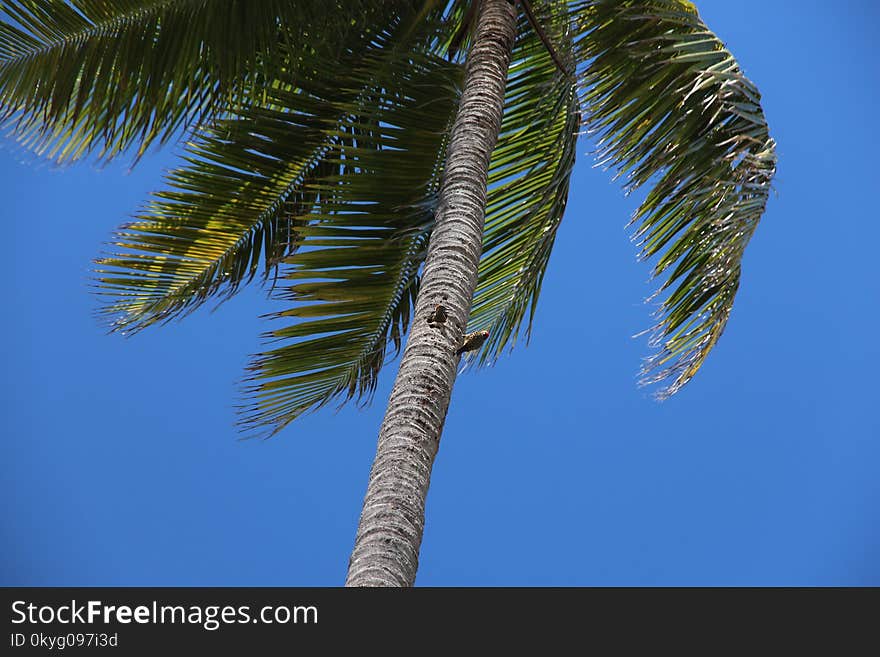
(673, 108)
(354, 279)
(232, 210)
(83, 75)
(528, 186)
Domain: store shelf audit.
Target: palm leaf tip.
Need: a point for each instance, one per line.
(672, 108)
(348, 325)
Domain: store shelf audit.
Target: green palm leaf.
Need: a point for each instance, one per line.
(83, 75)
(355, 276)
(333, 177)
(231, 211)
(672, 107)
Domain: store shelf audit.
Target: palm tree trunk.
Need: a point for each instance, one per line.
(386, 550)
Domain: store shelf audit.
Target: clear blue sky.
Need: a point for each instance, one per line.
(121, 466)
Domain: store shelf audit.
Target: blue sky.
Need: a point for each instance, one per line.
(121, 465)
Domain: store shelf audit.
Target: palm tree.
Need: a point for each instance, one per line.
(369, 161)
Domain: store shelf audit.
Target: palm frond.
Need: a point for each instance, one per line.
(529, 178)
(362, 243)
(672, 107)
(233, 209)
(81, 76)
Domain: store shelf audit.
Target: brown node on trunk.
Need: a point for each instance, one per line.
(439, 315)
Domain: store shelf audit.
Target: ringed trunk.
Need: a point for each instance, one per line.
(389, 535)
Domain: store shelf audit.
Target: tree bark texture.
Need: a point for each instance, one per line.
(389, 535)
